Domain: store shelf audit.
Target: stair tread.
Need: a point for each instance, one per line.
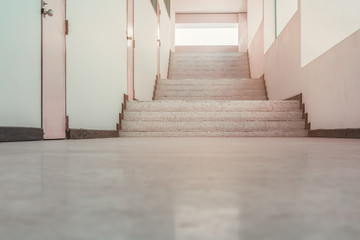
(302, 133)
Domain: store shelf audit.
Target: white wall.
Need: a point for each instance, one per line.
(255, 18)
(330, 82)
(285, 11)
(20, 63)
(269, 24)
(145, 50)
(324, 23)
(165, 37)
(96, 63)
(172, 20)
(210, 6)
(205, 34)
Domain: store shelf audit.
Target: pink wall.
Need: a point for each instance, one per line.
(283, 62)
(330, 84)
(243, 32)
(256, 53)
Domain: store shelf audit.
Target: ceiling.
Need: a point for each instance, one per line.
(210, 6)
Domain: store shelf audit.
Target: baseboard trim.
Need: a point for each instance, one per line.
(17, 134)
(336, 133)
(91, 134)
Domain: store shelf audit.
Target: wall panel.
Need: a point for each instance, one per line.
(20, 63)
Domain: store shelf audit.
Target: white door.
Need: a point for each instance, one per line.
(158, 12)
(130, 49)
(53, 69)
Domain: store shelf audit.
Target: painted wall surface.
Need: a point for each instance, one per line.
(145, 50)
(210, 6)
(214, 34)
(173, 23)
(285, 11)
(165, 36)
(243, 32)
(330, 84)
(20, 63)
(96, 63)
(255, 17)
(256, 53)
(269, 23)
(325, 23)
(333, 86)
(282, 63)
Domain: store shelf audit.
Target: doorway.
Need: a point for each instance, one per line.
(158, 13)
(54, 69)
(130, 49)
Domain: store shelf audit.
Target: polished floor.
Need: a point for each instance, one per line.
(181, 189)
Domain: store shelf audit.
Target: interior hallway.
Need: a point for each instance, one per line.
(181, 188)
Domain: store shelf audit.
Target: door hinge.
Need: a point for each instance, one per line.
(66, 27)
(67, 126)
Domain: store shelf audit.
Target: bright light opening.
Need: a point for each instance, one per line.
(206, 34)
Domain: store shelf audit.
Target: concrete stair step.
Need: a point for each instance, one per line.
(228, 98)
(297, 133)
(209, 68)
(212, 81)
(216, 58)
(199, 61)
(210, 93)
(211, 116)
(208, 87)
(188, 56)
(212, 126)
(183, 75)
(208, 64)
(233, 54)
(172, 76)
(201, 72)
(184, 105)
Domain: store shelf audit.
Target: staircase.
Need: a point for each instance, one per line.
(212, 95)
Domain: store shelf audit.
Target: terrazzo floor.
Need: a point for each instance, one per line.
(181, 189)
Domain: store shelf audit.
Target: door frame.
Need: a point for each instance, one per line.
(42, 71)
(130, 36)
(158, 14)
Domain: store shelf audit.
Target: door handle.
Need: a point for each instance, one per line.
(49, 12)
(129, 38)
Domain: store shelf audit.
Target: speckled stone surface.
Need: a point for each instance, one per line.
(212, 81)
(210, 126)
(210, 95)
(213, 65)
(181, 189)
(297, 133)
(182, 105)
(229, 98)
(208, 87)
(211, 116)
